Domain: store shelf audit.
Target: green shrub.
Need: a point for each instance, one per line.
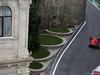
(34, 23)
(41, 53)
(35, 65)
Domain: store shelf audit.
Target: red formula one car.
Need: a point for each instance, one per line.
(94, 43)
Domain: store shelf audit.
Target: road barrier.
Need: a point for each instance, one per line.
(95, 3)
(55, 62)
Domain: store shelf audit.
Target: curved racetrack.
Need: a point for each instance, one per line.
(79, 59)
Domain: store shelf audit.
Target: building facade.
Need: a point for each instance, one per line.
(14, 18)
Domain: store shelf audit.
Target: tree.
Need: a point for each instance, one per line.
(34, 24)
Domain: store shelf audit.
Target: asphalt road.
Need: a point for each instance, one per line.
(79, 59)
(98, 1)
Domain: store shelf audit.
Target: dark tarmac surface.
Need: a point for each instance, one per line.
(79, 59)
(98, 1)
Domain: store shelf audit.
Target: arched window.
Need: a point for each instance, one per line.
(5, 21)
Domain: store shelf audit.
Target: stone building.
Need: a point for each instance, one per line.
(14, 56)
(62, 12)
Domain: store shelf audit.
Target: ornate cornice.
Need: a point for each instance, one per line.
(25, 3)
(3, 2)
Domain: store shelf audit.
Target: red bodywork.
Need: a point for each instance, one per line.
(96, 73)
(94, 41)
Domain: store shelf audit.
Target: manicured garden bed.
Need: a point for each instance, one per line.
(35, 65)
(61, 29)
(50, 40)
(42, 53)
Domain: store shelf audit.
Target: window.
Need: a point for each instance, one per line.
(54, 17)
(5, 21)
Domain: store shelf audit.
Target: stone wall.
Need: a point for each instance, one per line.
(62, 12)
(76, 10)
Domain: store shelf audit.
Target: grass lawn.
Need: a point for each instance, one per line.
(41, 53)
(35, 65)
(49, 40)
(61, 29)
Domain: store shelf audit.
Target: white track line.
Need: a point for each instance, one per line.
(67, 48)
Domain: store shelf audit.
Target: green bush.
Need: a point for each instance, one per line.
(34, 23)
(35, 65)
(41, 53)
